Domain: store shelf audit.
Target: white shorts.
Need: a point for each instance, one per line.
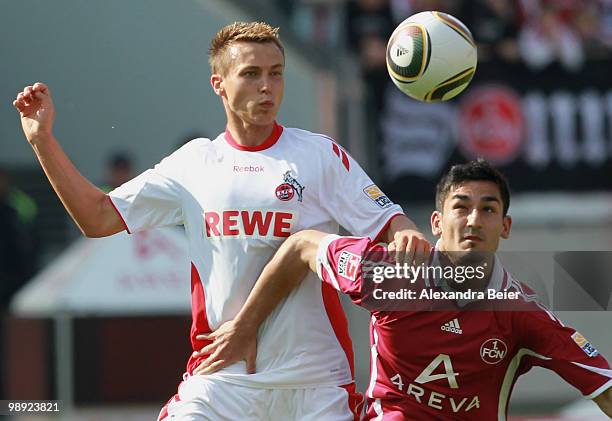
(201, 398)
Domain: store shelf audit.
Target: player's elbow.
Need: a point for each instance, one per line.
(303, 245)
(101, 221)
(92, 232)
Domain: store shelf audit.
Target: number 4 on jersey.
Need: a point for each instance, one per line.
(449, 374)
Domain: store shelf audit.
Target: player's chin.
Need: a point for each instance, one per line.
(264, 118)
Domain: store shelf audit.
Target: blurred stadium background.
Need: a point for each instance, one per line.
(103, 323)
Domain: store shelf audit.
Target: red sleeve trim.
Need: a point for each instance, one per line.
(118, 213)
(336, 149)
(345, 160)
(384, 228)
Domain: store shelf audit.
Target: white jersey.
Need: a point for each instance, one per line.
(238, 204)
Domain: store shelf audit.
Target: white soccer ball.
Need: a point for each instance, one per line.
(431, 56)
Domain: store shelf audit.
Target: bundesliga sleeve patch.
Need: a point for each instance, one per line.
(348, 263)
(585, 345)
(376, 194)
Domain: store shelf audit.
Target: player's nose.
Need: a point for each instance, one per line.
(474, 218)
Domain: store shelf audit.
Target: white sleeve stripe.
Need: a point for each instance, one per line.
(601, 371)
(599, 390)
(374, 360)
(323, 263)
(377, 405)
(507, 384)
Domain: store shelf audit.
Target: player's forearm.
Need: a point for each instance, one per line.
(398, 223)
(604, 400)
(88, 206)
(279, 277)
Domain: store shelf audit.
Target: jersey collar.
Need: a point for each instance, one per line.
(277, 130)
(497, 282)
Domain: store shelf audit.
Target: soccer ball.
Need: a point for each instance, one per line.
(431, 56)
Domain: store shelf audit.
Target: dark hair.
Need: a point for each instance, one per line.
(478, 170)
(120, 160)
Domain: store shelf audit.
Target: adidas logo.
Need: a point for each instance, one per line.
(400, 51)
(452, 326)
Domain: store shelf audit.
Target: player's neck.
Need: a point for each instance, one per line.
(249, 135)
(474, 283)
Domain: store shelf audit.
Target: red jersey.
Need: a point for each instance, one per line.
(457, 364)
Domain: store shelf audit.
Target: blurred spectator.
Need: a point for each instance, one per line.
(402, 9)
(554, 30)
(16, 245)
(604, 26)
(21, 202)
(119, 169)
(370, 24)
(494, 25)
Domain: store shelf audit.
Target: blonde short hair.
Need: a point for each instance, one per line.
(259, 32)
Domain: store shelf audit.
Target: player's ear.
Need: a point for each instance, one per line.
(507, 224)
(216, 81)
(436, 223)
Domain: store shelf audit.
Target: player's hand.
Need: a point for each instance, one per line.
(230, 343)
(410, 247)
(36, 110)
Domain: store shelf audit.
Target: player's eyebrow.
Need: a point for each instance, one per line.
(490, 199)
(254, 67)
(250, 67)
(460, 196)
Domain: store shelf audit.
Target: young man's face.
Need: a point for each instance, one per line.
(252, 84)
(472, 218)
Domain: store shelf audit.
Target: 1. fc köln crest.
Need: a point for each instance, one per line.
(289, 188)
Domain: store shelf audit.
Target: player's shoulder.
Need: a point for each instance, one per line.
(184, 157)
(196, 145)
(528, 304)
(307, 139)
(193, 149)
(525, 295)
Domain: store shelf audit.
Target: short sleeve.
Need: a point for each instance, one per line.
(339, 263)
(153, 198)
(350, 196)
(565, 351)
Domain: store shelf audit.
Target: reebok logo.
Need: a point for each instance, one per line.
(452, 326)
(248, 168)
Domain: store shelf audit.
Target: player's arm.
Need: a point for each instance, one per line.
(604, 400)
(90, 208)
(565, 351)
(406, 241)
(235, 340)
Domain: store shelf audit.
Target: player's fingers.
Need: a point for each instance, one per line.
(18, 103)
(400, 252)
(22, 99)
(251, 359)
(206, 336)
(424, 252)
(27, 92)
(250, 364)
(212, 358)
(411, 251)
(41, 87)
(216, 366)
(207, 350)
